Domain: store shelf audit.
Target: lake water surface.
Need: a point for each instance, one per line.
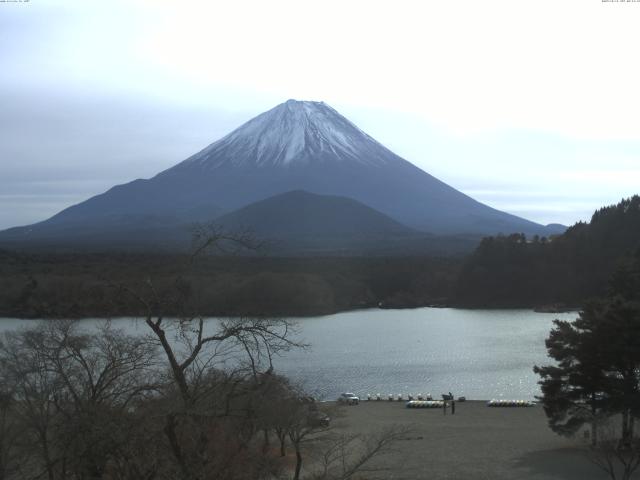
(480, 354)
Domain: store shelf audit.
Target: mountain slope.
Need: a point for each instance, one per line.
(295, 146)
(292, 223)
(302, 223)
(300, 214)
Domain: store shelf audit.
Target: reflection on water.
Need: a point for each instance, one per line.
(480, 354)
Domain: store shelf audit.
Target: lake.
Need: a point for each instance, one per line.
(481, 354)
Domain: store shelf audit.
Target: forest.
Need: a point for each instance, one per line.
(554, 273)
(84, 285)
(564, 271)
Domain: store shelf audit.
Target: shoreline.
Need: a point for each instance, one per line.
(476, 442)
(321, 313)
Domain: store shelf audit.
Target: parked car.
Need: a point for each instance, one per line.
(348, 399)
(319, 419)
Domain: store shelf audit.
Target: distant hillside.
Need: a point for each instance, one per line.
(555, 228)
(118, 232)
(293, 223)
(565, 270)
(303, 222)
(303, 214)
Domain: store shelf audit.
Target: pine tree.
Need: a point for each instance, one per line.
(598, 361)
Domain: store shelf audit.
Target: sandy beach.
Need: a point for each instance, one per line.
(477, 442)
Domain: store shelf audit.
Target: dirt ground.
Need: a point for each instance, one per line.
(477, 443)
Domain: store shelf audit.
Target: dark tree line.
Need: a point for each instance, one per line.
(515, 271)
(596, 378)
(77, 285)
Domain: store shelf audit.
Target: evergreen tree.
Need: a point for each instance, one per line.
(573, 390)
(598, 361)
(566, 270)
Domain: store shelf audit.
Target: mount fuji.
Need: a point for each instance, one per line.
(296, 146)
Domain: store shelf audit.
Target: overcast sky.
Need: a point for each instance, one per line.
(532, 107)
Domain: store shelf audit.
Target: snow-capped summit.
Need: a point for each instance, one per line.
(292, 132)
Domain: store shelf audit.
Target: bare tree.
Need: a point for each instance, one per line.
(35, 388)
(617, 458)
(301, 430)
(211, 237)
(73, 394)
(344, 456)
(215, 366)
(10, 434)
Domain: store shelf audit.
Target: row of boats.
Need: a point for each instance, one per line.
(427, 401)
(490, 403)
(411, 398)
(510, 403)
(425, 404)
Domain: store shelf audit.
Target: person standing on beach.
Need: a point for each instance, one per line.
(453, 404)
